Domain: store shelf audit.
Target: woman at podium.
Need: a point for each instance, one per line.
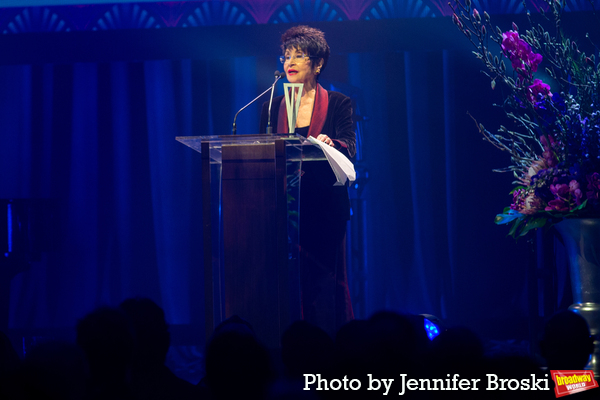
(324, 208)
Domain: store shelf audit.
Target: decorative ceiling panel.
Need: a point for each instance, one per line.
(80, 15)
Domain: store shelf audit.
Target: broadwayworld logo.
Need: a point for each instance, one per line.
(569, 382)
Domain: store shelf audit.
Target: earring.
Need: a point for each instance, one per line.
(318, 70)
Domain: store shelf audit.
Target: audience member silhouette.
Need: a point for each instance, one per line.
(235, 324)
(150, 377)
(306, 348)
(515, 366)
(9, 359)
(107, 342)
(52, 370)
(457, 350)
(351, 352)
(125, 349)
(395, 344)
(237, 365)
(566, 342)
(9, 363)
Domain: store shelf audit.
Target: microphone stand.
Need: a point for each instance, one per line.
(278, 76)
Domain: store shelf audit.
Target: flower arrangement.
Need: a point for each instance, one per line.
(555, 143)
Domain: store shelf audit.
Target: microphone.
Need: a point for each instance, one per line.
(278, 76)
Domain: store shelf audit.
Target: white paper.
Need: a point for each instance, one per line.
(341, 166)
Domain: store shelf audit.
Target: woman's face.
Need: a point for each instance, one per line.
(299, 69)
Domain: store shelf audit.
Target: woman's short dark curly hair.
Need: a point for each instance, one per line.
(310, 40)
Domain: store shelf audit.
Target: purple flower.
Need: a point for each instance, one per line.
(560, 202)
(519, 52)
(564, 196)
(538, 91)
(575, 192)
(559, 190)
(534, 59)
(557, 205)
(517, 200)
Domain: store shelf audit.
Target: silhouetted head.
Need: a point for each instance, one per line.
(513, 366)
(106, 340)
(457, 349)
(350, 349)
(9, 359)
(566, 343)
(234, 324)
(306, 348)
(53, 370)
(394, 343)
(150, 330)
(237, 366)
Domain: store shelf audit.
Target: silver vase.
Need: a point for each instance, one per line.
(581, 237)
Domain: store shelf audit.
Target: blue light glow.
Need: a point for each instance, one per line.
(432, 329)
(9, 219)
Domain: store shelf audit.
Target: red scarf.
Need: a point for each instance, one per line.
(318, 116)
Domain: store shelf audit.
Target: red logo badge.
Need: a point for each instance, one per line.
(569, 382)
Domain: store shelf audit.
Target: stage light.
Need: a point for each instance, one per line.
(433, 325)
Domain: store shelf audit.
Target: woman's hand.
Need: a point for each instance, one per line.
(325, 139)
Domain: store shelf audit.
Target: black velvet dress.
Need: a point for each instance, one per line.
(324, 213)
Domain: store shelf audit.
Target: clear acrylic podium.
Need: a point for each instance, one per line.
(250, 200)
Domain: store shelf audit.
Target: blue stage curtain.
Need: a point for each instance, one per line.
(99, 138)
(431, 195)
